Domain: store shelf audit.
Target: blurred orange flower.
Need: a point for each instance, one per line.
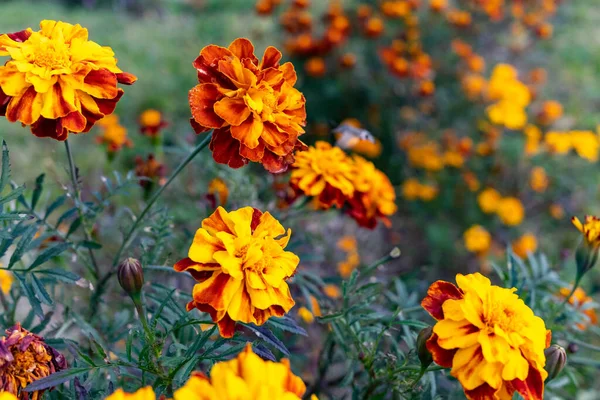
(538, 180)
(524, 245)
(583, 303)
(253, 107)
(477, 239)
(488, 200)
(150, 169)
(239, 262)
(57, 81)
(511, 211)
(315, 67)
(217, 186)
(151, 122)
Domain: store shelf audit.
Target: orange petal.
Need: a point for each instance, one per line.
(256, 154)
(55, 105)
(274, 163)
(25, 108)
(233, 110)
(243, 48)
(248, 132)
(273, 136)
(289, 73)
(437, 294)
(532, 388)
(126, 78)
(100, 83)
(202, 99)
(270, 58)
(74, 122)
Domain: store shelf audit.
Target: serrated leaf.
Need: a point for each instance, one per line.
(12, 195)
(33, 300)
(55, 204)
(61, 275)
(37, 191)
(88, 244)
(233, 350)
(267, 336)
(5, 176)
(56, 379)
(40, 291)
(23, 244)
(48, 254)
(263, 352)
(287, 324)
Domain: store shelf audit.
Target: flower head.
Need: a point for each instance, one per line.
(145, 393)
(477, 239)
(492, 341)
(151, 122)
(239, 261)
(218, 187)
(150, 169)
(525, 244)
(538, 179)
(511, 211)
(583, 303)
(245, 377)
(252, 105)
(57, 81)
(114, 135)
(488, 200)
(25, 358)
(590, 229)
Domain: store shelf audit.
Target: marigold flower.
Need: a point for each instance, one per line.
(6, 281)
(557, 211)
(114, 136)
(511, 211)
(538, 180)
(511, 96)
(150, 169)
(477, 239)
(217, 186)
(253, 107)
(308, 316)
(438, 5)
(332, 291)
(590, 228)
(247, 376)
(145, 393)
(551, 111)
(25, 358)
(151, 122)
(524, 245)
(374, 197)
(586, 144)
(471, 180)
(411, 189)
(239, 261)
(583, 303)
(374, 27)
(324, 172)
(492, 341)
(347, 243)
(558, 142)
(57, 81)
(348, 60)
(315, 67)
(488, 200)
(428, 192)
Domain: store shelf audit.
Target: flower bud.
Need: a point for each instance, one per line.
(422, 351)
(131, 276)
(556, 358)
(585, 258)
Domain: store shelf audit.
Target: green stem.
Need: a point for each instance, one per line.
(79, 205)
(395, 253)
(157, 194)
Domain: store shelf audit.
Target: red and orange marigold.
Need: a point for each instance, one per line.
(239, 262)
(57, 81)
(491, 339)
(253, 107)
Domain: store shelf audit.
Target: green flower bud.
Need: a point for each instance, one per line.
(556, 358)
(131, 277)
(422, 351)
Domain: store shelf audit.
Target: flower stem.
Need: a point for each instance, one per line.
(157, 194)
(79, 205)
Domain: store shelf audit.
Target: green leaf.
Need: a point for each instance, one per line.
(56, 379)
(33, 300)
(330, 317)
(88, 244)
(23, 244)
(15, 216)
(5, 176)
(55, 204)
(287, 324)
(12, 195)
(74, 225)
(40, 291)
(37, 191)
(61, 275)
(48, 254)
(267, 336)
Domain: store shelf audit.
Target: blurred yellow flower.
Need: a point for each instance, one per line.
(538, 180)
(6, 280)
(332, 291)
(245, 377)
(151, 122)
(306, 316)
(410, 189)
(488, 200)
(511, 211)
(558, 142)
(477, 239)
(347, 243)
(145, 393)
(426, 156)
(454, 159)
(586, 144)
(471, 180)
(428, 192)
(511, 97)
(524, 245)
(533, 136)
(557, 211)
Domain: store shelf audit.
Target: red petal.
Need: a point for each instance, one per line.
(202, 99)
(21, 108)
(483, 392)
(100, 83)
(442, 357)
(20, 36)
(184, 264)
(437, 294)
(4, 99)
(126, 78)
(74, 122)
(532, 388)
(49, 128)
(226, 150)
(197, 127)
(256, 214)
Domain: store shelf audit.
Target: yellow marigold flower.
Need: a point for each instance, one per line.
(511, 211)
(511, 96)
(557, 211)
(245, 377)
(7, 396)
(374, 198)
(25, 358)
(252, 105)
(428, 192)
(590, 228)
(57, 81)
(454, 159)
(239, 261)
(150, 169)
(217, 186)
(332, 291)
(477, 239)
(145, 393)
(426, 156)
(114, 137)
(488, 200)
(558, 142)
(151, 122)
(524, 245)
(508, 114)
(411, 189)
(533, 136)
(586, 144)
(324, 172)
(492, 341)
(582, 302)
(6, 281)
(538, 179)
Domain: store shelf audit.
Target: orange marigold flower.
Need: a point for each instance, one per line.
(374, 27)
(556, 211)
(332, 291)
(239, 262)
(558, 142)
(248, 376)
(25, 358)
(511, 211)
(151, 122)
(315, 67)
(253, 107)
(114, 136)
(348, 60)
(218, 187)
(584, 304)
(150, 169)
(146, 393)
(57, 81)
(492, 341)
(538, 179)
(374, 198)
(324, 172)
(524, 245)
(488, 200)
(551, 111)
(477, 239)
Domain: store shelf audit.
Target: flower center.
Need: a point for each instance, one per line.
(52, 58)
(25, 365)
(262, 101)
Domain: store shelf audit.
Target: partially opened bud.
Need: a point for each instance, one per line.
(424, 354)
(556, 358)
(131, 276)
